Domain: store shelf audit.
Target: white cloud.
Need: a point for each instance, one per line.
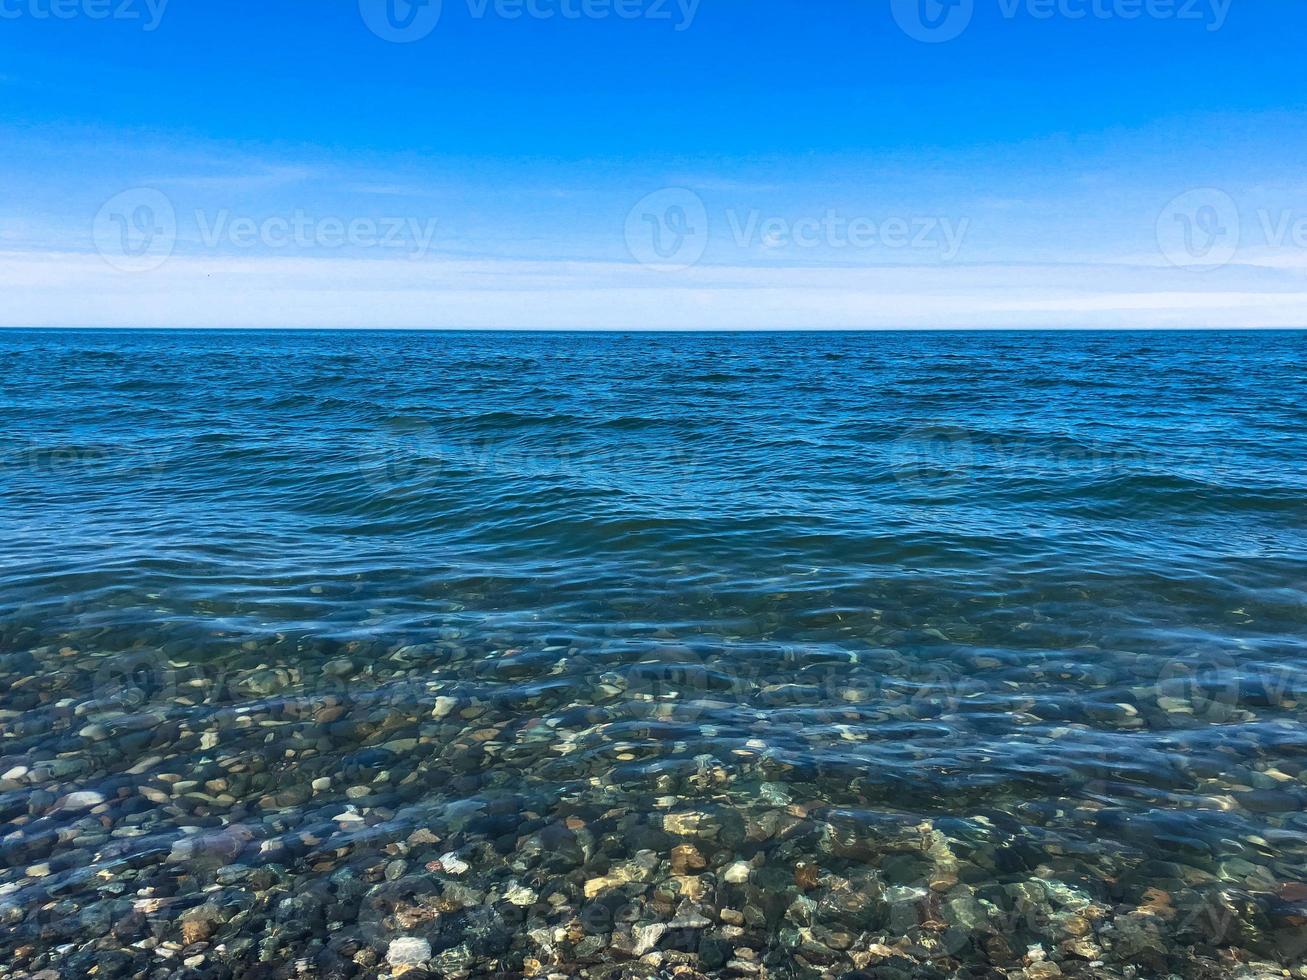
(258, 177)
(79, 289)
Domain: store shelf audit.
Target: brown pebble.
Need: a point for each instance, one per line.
(1157, 902)
(687, 858)
(806, 875)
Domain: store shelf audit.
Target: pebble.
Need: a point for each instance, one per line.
(408, 951)
(689, 824)
(453, 864)
(647, 937)
(383, 831)
(83, 800)
(686, 858)
(738, 873)
(520, 896)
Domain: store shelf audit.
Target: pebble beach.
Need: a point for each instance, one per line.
(456, 656)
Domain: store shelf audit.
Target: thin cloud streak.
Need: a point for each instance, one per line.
(77, 289)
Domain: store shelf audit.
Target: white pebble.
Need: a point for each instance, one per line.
(738, 873)
(521, 896)
(408, 951)
(81, 801)
(453, 864)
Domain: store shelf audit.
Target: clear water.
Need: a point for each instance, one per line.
(915, 626)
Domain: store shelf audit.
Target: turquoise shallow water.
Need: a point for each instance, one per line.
(612, 655)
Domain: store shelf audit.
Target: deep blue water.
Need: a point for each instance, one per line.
(1043, 594)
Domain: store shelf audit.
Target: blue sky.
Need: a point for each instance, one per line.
(629, 163)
